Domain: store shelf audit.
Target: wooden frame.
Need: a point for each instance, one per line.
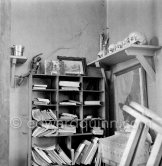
(73, 65)
(145, 119)
(133, 87)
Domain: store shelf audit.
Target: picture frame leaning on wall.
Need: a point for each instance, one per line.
(73, 65)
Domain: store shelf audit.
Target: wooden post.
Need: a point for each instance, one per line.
(103, 74)
(4, 80)
(107, 94)
(131, 144)
(156, 152)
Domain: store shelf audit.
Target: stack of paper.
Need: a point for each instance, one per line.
(39, 86)
(50, 155)
(42, 115)
(70, 88)
(70, 102)
(97, 131)
(68, 116)
(41, 101)
(45, 130)
(69, 85)
(94, 102)
(67, 129)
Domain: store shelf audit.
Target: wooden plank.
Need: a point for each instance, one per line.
(106, 91)
(143, 88)
(131, 144)
(156, 152)
(147, 112)
(143, 119)
(141, 56)
(146, 66)
(141, 144)
(125, 66)
(5, 22)
(19, 59)
(120, 55)
(103, 74)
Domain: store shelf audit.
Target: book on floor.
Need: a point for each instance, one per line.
(63, 155)
(87, 144)
(90, 152)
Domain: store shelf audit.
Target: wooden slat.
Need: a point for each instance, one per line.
(131, 144)
(141, 56)
(147, 112)
(121, 56)
(143, 114)
(143, 119)
(148, 68)
(141, 144)
(156, 152)
(103, 74)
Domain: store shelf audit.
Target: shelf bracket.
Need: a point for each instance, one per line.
(141, 56)
(14, 61)
(13, 64)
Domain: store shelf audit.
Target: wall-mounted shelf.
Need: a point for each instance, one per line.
(15, 60)
(141, 52)
(19, 59)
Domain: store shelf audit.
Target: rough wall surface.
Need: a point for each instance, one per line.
(158, 59)
(71, 28)
(51, 27)
(4, 80)
(144, 16)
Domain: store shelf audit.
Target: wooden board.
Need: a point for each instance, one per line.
(131, 144)
(156, 152)
(19, 59)
(121, 56)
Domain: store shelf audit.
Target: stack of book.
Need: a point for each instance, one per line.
(42, 115)
(45, 130)
(81, 151)
(92, 102)
(66, 129)
(39, 86)
(97, 131)
(68, 116)
(86, 152)
(70, 102)
(50, 156)
(41, 101)
(69, 85)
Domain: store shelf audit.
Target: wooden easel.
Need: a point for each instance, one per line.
(145, 119)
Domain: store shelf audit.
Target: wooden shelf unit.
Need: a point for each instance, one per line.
(91, 88)
(141, 52)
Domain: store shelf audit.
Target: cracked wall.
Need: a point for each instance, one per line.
(51, 27)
